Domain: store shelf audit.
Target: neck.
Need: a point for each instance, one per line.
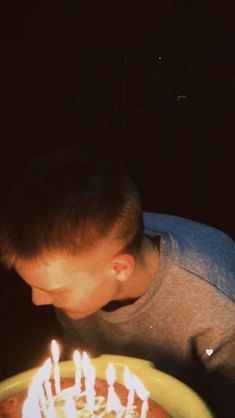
(146, 267)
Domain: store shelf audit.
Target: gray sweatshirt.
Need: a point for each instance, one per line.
(185, 322)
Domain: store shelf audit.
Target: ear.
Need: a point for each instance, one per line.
(122, 266)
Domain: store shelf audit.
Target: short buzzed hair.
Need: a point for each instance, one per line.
(68, 202)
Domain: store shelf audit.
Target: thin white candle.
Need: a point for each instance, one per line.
(38, 385)
(77, 363)
(55, 356)
(144, 408)
(110, 377)
(31, 406)
(143, 395)
(89, 373)
(57, 379)
(45, 376)
(45, 373)
(129, 385)
(48, 391)
(42, 399)
(90, 389)
(70, 410)
(113, 401)
(85, 363)
(31, 409)
(51, 413)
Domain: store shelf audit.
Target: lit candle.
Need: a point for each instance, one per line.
(51, 413)
(113, 401)
(70, 410)
(48, 391)
(89, 373)
(77, 363)
(143, 395)
(90, 389)
(129, 385)
(45, 376)
(46, 372)
(85, 362)
(31, 409)
(31, 406)
(144, 408)
(38, 383)
(55, 356)
(42, 400)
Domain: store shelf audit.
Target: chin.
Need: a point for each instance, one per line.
(76, 315)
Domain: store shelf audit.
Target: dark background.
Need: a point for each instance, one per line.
(151, 85)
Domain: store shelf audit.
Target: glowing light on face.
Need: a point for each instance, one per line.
(69, 283)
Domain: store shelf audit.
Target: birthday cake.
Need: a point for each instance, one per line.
(12, 407)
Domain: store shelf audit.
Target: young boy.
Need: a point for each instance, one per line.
(152, 286)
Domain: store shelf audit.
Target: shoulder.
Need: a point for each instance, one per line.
(187, 231)
(205, 251)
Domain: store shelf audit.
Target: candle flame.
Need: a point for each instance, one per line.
(40, 401)
(85, 363)
(113, 401)
(128, 381)
(111, 374)
(55, 350)
(77, 358)
(139, 388)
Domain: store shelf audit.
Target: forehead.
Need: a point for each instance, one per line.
(51, 270)
(58, 262)
(61, 266)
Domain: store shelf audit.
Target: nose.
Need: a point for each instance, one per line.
(39, 297)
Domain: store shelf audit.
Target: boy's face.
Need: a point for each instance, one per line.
(80, 285)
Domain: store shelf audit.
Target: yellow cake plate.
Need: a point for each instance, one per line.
(178, 399)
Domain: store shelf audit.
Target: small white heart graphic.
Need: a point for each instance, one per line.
(209, 351)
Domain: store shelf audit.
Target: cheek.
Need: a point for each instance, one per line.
(84, 291)
(72, 298)
(62, 299)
